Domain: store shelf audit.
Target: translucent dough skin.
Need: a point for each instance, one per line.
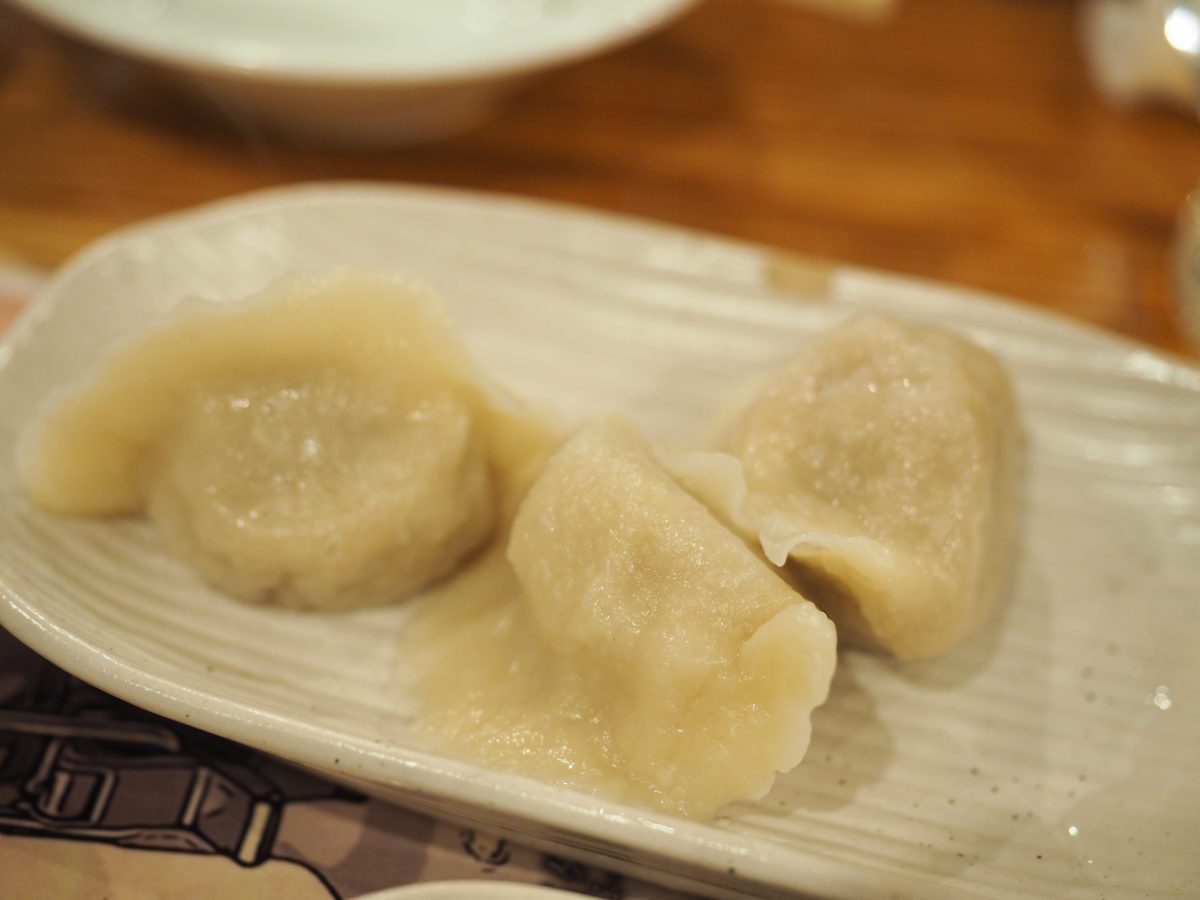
(878, 462)
(696, 666)
(310, 492)
(325, 444)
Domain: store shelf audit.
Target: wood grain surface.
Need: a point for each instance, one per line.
(960, 140)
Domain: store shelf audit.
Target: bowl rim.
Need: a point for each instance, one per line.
(144, 47)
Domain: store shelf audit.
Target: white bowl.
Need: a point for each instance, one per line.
(358, 71)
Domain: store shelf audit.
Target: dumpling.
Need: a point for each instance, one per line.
(327, 444)
(877, 467)
(651, 656)
(316, 492)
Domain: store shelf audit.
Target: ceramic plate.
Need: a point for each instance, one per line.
(1053, 755)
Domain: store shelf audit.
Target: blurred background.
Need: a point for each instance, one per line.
(961, 140)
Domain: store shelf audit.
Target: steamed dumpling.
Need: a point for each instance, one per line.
(877, 467)
(327, 444)
(316, 492)
(651, 655)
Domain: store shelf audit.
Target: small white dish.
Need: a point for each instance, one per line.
(358, 71)
(1053, 755)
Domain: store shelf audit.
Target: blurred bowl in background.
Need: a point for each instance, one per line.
(357, 71)
(1144, 51)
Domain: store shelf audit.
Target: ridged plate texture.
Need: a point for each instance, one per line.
(1052, 755)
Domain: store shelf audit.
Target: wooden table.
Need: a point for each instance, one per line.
(961, 141)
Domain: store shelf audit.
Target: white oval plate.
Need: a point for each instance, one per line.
(1053, 755)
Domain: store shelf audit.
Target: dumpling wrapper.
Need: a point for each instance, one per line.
(329, 443)
(650, 656)
(877, 466)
